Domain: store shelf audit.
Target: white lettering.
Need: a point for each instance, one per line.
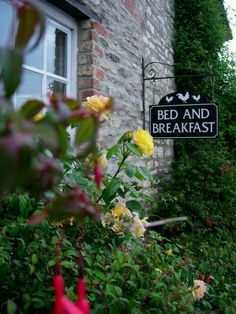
(176, 127)
(187, 113)
(211, 126)
(191, 125)
(204, 125)
(197, 128)
(207, 113)
(173, 114)
(155, 128)
(196, 113)
(162, 127)
(168, 127)
(184, 125)
(160, 114)
(167, 114)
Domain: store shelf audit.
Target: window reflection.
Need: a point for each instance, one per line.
(34, 58)
(31, 87)
(54, 86)
(7, 14)
(56, 51)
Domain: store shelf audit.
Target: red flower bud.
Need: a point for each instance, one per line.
(98, 176)
(208, 279)
(199, 276)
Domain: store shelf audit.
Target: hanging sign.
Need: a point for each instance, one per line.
(183, 115)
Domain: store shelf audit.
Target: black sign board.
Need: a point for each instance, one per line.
(181, 115)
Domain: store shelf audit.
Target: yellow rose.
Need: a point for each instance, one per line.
(144, 141)
(121, 210)
(99, 104)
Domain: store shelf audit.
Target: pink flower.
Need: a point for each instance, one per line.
(198, 289)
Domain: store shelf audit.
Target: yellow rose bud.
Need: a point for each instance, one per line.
(102, 160)
(144, 141)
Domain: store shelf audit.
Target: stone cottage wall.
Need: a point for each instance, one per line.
(109, 61)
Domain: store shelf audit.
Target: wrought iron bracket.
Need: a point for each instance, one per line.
(150, 74)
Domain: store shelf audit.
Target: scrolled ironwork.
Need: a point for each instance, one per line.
(151, 73)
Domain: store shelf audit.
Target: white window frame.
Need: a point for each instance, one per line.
(67, 24)
(64, 22)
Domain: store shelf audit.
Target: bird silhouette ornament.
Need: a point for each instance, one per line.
(183, 98)
(169, 99)
(196, 98)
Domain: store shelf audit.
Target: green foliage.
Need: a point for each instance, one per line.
(122, 274)
(203, 177)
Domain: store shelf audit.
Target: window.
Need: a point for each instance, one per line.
(51, 67)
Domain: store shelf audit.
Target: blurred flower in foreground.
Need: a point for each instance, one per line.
(144, 141)
(198, 289)
(99, 104)
(38, 117)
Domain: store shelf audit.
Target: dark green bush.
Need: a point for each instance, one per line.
(203, 177)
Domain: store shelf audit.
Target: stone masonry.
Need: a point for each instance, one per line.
(109, 61)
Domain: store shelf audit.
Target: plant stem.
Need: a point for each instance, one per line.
(125, 156)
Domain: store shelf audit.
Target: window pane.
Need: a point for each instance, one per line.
(6, 20)
(56, 51)
(54, 86)
(31, 87)
(35, 57)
